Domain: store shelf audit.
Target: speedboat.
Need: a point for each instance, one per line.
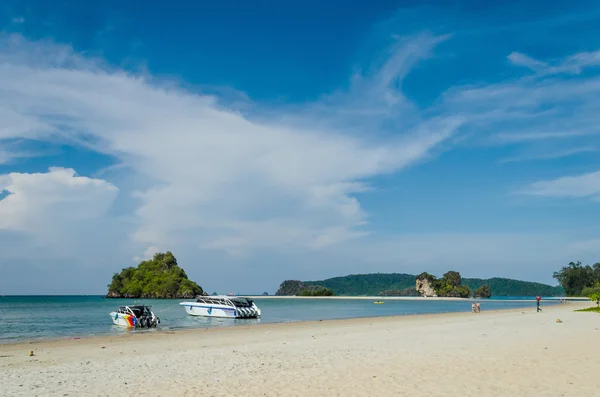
(222, 306)
(135, 317)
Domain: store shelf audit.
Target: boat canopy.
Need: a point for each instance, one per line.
(138, 311)
(236, 301)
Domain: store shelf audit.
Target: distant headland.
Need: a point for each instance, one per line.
(158, 278)
(400, 284)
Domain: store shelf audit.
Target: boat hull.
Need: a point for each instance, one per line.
(195, 309)
(123, 320)
(220, 311)
(130, 321)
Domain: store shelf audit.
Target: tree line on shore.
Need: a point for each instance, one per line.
(580, 280)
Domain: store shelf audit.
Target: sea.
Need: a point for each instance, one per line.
(25, 318)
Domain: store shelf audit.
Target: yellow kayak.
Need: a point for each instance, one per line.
(378, 302)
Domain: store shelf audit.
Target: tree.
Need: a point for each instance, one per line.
(596, 272)
(291, 287)
(595, 298)
(483, 292)
(452, 278)
(447, 286)
(296, 287)
(426, 276)
(575, 277)
(159, 277)
(315, 290)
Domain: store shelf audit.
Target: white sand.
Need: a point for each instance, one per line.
(504, 353)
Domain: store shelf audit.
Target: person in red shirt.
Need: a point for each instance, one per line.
(538, 299)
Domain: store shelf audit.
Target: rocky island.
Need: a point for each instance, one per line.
(449, 286)
(299, 288)
(158, 278)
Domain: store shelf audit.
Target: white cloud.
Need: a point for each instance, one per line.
(573, 64)
(549, 155)
(523, 60)
(279, 180)
(585, 185)
(18, 20)
(42, 204)
(547, 108)
(148, 253)
(56, 226)
(222, 179)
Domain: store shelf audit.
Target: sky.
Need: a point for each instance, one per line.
(263, 141)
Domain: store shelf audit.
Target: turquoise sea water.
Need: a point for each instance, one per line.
(49, 317)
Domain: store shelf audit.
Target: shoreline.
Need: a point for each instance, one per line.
(416, 298)
(157, 332)
(496, 353)
(366, 297)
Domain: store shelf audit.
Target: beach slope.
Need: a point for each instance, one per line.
(504, 353)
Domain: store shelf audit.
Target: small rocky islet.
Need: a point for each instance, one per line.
(158, 278)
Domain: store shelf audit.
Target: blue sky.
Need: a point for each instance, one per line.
(268, 141)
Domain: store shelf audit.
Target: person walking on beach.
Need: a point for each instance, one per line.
(478, 308)
(473, 307)
(537, 300)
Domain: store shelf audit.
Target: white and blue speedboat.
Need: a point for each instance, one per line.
(222, 306)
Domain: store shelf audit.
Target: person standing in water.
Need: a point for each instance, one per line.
(537, 300)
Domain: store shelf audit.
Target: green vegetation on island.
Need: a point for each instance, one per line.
(159, 277)
(449, 286)
(401, 284)
(577, 279)
(299, 288)
(367, 284)
(396, 292)
(509, 287)
(482, 292)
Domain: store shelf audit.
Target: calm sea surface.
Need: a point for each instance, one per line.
(47, 317)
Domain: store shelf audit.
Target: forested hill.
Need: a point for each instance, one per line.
(509, 287)
(375, 283)
(367, 284)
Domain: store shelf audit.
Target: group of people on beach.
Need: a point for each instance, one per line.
(476, 307)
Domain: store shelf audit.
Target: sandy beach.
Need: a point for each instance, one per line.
(515, 352)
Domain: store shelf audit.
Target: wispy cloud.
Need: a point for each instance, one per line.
(15, 149)
(579, 186)
(224, 174)
(18, 20)
(523, 60)
(544, 107)
(549, 155)
(223, 180)
(573, 64)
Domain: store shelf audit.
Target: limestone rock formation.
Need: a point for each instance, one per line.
(424, 285)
